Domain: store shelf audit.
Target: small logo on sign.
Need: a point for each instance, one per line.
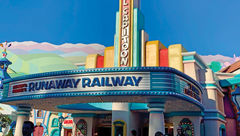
(19, 88)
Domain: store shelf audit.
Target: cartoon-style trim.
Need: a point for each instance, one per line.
(53, 122)
(53, 131)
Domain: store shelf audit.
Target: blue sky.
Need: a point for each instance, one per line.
(205, 26)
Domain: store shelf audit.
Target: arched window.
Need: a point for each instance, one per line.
(82, 127)
(119, 128)
(186, 127)
(55, 122)
(222, 130)
(39, 113)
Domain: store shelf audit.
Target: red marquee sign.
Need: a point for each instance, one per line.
(68, 121)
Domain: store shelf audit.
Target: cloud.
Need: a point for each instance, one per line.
(209, 58)
(225, 61)
(79, 49)
(30, 47)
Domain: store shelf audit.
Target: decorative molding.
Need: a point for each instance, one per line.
(225, 74)
(184, 113)
(214, 111)
(194, 57)
(213, 85)
(213, 115)
(215, 118)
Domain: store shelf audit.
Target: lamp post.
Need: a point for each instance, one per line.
(61, 119)
(236, 100)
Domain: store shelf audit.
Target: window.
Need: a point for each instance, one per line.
(186, 127)
(55, 122)
(222, 130)
(82, 127)
(39, 113)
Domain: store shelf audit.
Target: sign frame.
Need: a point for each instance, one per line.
(129, 37)
(143, 84)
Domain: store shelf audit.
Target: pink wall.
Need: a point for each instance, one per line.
(231, 128)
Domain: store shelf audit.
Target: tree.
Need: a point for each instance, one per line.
(215, 66)
(4, 121)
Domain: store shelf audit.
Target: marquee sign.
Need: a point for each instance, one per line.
(81, 82)
(125, 33)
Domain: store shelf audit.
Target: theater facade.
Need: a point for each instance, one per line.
(137, 85)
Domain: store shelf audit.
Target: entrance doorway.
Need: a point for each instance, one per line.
(145, 131)
(103, 131)
(67, 132)
(169, 129)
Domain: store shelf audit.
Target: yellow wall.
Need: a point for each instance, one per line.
(91, 61)
(152, 53)
(175, 56)
(109, 57)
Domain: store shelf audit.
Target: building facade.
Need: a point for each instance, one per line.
(138, 85)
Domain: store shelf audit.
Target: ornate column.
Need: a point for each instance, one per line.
(156, 118)
(23, 113)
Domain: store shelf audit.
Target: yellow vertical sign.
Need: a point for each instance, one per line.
(125, 33)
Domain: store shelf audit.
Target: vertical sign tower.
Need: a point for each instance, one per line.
(127, 53)
(127, 42)
(125, 33)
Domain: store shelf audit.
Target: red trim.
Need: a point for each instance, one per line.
(163, 54)
(100, 61)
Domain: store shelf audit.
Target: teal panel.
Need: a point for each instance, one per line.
(87, 106)
(83, 115)
(139, 106)
(81, 67)
(209, 85)
(116, 42)
(187, 58)
(237, 75)
(230, 82)
(5, 90)
(138, 25)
